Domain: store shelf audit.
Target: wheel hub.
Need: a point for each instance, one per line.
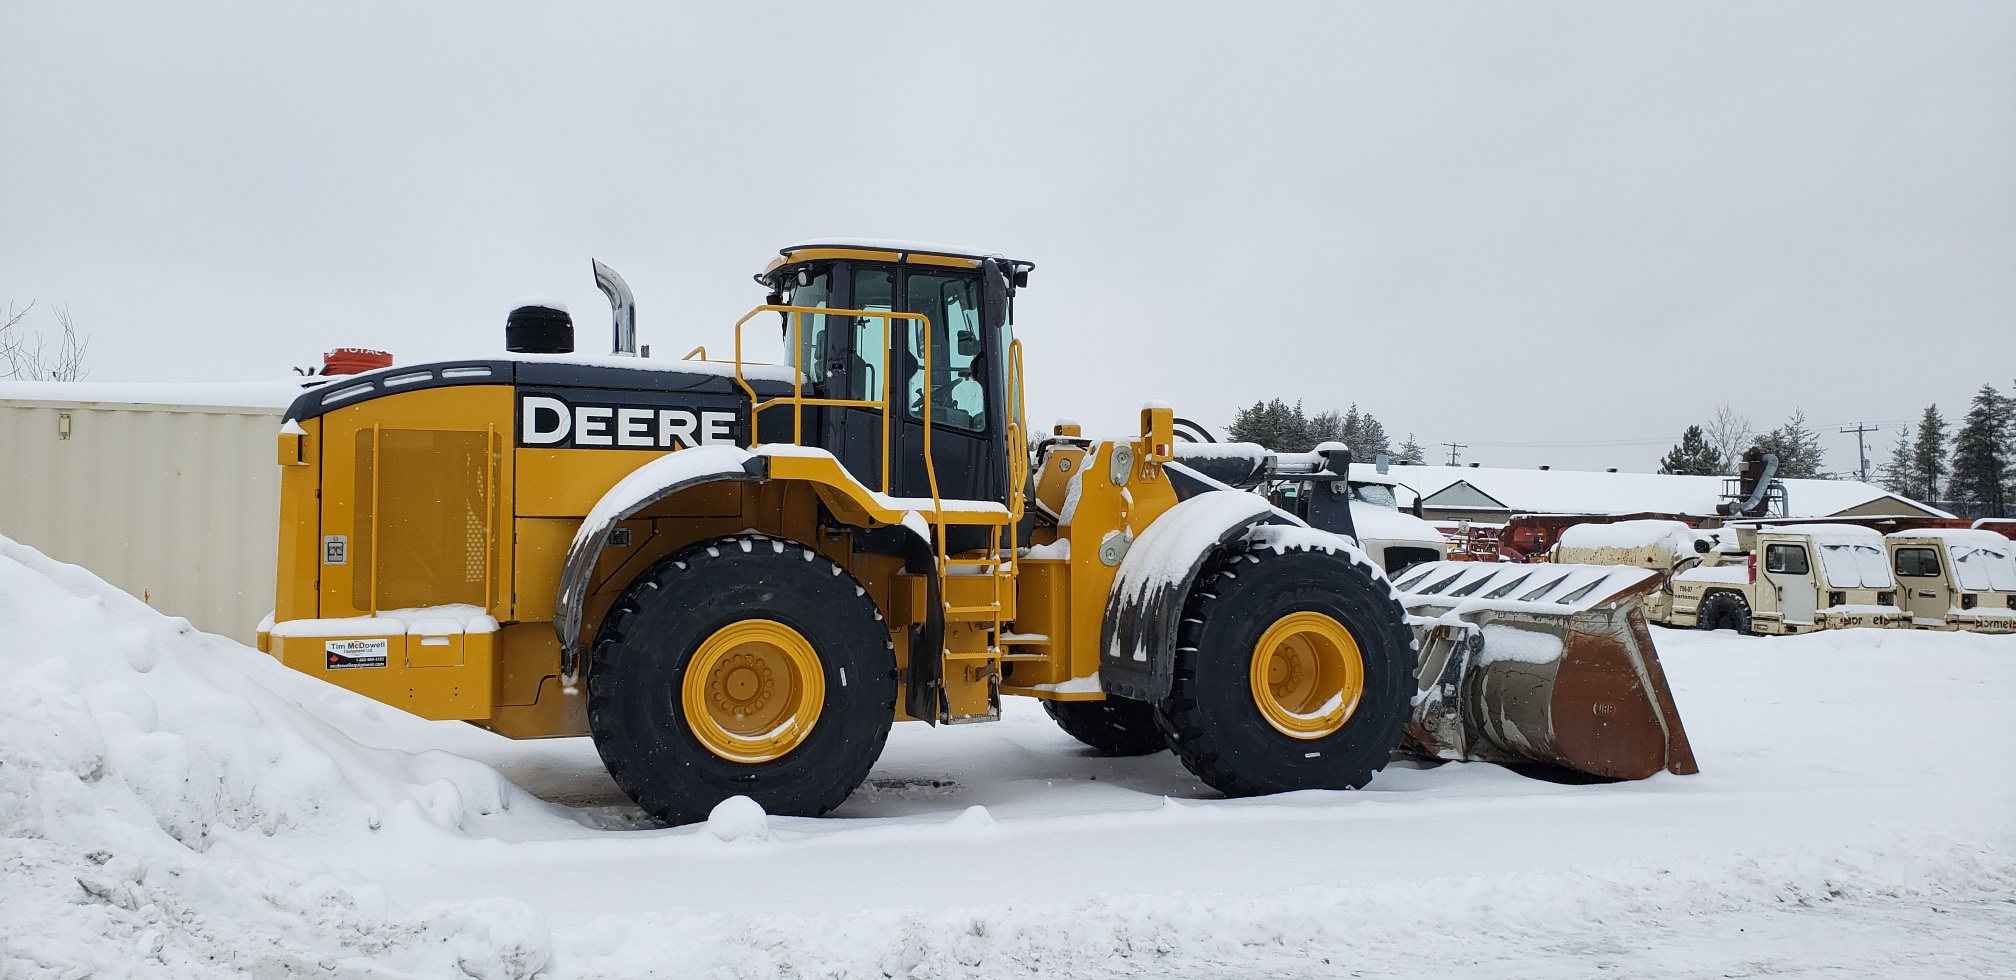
(753, 691)
(1307, 675)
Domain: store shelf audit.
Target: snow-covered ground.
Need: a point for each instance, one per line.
(174, 804)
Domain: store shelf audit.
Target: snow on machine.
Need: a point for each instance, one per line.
(736, 576)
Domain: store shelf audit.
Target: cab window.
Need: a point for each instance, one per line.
(874, 289)
(815, 290)
(958, 362)
(1918, 562)
(1376, 494)
(1786, 559)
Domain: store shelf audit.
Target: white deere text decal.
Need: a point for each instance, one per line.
(549, 421)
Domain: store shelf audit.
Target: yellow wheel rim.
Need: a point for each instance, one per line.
(1307, 675)
(753, 691)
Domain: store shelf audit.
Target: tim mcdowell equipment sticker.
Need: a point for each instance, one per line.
(351, 654)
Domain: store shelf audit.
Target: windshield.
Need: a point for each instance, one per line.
(1377, 494)
(1855, 566)
(1983, 569)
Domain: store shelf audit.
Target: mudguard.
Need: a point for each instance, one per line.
(1138, 641)
(648, 484)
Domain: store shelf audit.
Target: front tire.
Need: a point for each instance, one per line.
(1293, 671)
(742, 666)
(1724, 610)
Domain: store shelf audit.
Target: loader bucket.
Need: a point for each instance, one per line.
(1549, 664)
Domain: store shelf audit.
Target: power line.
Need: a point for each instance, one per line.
(1455, 450)
(1861, 451)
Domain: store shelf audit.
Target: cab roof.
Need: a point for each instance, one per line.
(889, 250)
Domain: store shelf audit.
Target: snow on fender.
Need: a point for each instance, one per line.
(1137, 642)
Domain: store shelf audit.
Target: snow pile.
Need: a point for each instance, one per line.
(151, 775)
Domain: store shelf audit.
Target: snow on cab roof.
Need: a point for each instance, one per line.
(892, 245)
(1524, 491)
(1975, 537)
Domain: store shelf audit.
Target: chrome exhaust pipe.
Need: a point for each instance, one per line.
(622, 309)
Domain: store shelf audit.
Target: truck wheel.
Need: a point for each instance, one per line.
(1293, 671)
(742, 666)
(1724, 610)
(1115, 726)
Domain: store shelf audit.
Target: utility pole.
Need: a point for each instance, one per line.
(1861, 453)
(1455, 450)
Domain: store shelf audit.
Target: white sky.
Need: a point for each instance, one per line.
(1505, 223)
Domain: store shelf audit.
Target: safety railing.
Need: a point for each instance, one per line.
(1018, 461)
(799, 401)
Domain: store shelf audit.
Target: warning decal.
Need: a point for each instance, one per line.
(351, 654)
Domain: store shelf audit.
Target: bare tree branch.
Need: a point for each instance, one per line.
(24, 355)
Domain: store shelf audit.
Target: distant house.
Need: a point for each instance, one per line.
(1491, 495)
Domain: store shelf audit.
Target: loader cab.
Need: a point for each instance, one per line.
(968, 300)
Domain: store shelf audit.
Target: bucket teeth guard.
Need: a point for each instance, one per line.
(1549, 664)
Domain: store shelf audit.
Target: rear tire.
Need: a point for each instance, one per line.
(789, 634)
(1724, 610)
(1115, 726)
(1238, 742)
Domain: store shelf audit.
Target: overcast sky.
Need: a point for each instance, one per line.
(1556, 232)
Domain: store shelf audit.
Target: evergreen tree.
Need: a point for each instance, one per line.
(1273, 424)
(1798, 448)
(1981, 454)
(1899, 476)
(1410, 453)
(1928, 457)
(1693, 456)
(1364, 434)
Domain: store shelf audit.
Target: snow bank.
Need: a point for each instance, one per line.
(151, 774)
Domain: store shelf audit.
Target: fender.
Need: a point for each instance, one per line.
(1143, 612)
(842, 494)
(646, 485)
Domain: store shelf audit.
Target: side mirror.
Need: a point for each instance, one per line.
(994, 290)
(1417, 507)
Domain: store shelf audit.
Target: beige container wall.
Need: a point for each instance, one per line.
(176, 504)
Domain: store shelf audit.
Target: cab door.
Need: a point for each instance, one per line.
(961, 383)
(1789, 569)
(1922, 585)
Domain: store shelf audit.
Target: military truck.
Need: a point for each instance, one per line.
(1777, 580)
(1955, 579)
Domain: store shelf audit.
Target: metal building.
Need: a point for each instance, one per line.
(168, 491)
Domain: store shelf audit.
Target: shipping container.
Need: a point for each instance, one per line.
(168, 491)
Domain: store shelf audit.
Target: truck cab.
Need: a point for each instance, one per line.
(1955, 579)
(1790, 579)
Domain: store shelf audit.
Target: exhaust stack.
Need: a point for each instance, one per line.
(622, 309)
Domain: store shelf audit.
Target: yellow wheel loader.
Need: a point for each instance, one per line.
(737, 576)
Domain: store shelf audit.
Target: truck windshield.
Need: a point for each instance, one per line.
(1377, 494)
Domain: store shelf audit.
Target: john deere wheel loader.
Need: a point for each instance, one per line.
(736, 577)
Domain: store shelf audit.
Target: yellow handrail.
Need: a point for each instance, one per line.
(797, 399)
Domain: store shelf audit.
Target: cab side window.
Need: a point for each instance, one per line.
(958, 363)
(1786, 559)
(1918, 562)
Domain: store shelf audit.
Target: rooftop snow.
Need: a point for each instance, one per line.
(1583, 492)
(276, 394)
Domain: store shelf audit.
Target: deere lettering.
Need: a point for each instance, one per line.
(548, 420)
